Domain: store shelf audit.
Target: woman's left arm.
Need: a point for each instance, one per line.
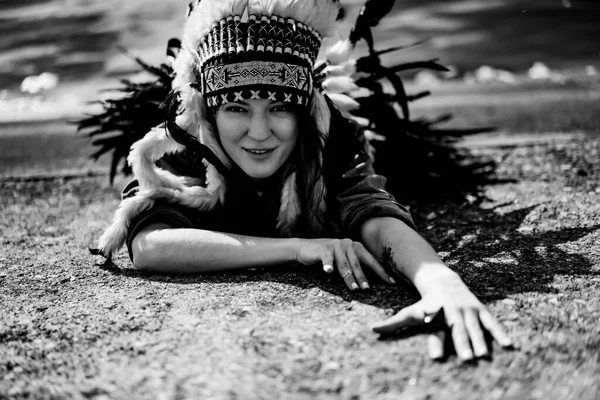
(404, 250)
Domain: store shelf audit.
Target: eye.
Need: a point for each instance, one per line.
(234, 108)
(282, 108)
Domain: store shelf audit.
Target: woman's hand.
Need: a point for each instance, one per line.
(463, 316)
(346, 255)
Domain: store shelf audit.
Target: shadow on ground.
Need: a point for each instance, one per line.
(496, 255)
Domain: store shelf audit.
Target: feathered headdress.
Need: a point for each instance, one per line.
(232, 50)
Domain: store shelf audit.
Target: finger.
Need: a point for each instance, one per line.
(437, 341)
(473, 326)
(409, 316)
(370, 261)
(356, 269)
(460, 338)
(497, 331)
(343, 266)
(327, 260)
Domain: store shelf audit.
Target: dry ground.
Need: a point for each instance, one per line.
(73, 328)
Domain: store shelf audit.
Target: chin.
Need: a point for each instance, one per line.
(260, 174)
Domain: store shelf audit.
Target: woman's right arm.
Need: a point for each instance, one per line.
(160, 248)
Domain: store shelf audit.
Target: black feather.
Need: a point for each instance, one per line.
(137, 108)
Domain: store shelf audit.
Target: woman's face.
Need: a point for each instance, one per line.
(258, 135)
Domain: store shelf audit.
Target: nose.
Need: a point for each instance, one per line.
(259, 128)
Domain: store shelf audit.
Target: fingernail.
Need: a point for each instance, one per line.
(392, 280)
(328, 268)
(469, 361)
(508, 346)
(365, 285)
(467, 356)
(354, 286)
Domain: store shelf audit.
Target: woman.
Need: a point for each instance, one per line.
(285, 178)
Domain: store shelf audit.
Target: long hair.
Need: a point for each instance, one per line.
(309, 177)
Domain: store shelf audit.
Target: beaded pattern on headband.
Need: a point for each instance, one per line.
(265, 58)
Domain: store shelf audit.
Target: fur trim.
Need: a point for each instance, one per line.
(216, 185)
(146, 151)
(114, 237)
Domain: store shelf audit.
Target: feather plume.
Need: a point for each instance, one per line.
(202, 18)
(344, 102)
(320, 112)
(265, 7)
(238, 7)
(318, 14)
(184, 72)
(345, 69)
(340, 52)
(339, 84)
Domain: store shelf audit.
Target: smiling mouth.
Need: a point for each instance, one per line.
(259, 152)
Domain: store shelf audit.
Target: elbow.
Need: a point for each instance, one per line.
(372, 230)
(145, 255)
(142, 262)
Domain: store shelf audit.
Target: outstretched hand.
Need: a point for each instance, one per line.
(344, 255)
(453, 309)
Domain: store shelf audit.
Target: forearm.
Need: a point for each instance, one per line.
(196, 251)
(405, 251)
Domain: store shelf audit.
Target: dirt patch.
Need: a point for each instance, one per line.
(72, 328)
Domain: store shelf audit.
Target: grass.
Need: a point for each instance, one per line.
(71, 327)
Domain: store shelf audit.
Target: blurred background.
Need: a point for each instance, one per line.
(69, 48)
(57, 55)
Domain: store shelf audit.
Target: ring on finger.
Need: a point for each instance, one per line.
(346, 274)
(429, 318)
